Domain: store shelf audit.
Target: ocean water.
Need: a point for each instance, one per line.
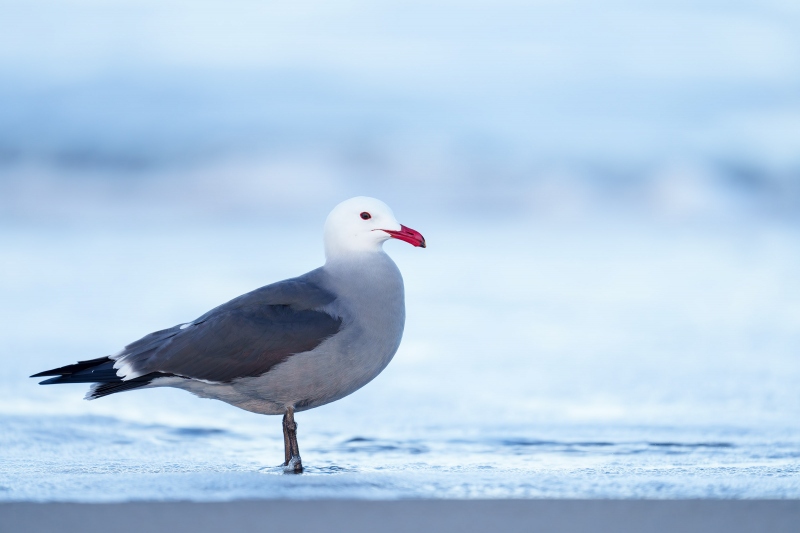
(609, 305)
(609, 356)
(494, 88)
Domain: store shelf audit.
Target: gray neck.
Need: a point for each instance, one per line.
(370, 298)
(364, 273)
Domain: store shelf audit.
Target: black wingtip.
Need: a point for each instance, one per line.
(74, 368)
(45, 373)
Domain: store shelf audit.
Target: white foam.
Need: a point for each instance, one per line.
(293, 462)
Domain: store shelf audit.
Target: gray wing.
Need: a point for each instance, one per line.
(244, 337)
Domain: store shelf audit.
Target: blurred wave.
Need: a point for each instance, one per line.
(683, 109)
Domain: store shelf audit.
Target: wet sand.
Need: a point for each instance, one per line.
(418, 516)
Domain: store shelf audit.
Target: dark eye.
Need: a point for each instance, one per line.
(366, 216)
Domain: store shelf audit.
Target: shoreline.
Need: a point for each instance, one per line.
(418, 516)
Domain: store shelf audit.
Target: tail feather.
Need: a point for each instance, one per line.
(98, 390)
(101, 373)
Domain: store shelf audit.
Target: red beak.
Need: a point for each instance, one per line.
(409, 235)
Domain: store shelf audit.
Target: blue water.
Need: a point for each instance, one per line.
(616, 356)
(491, 90)
(91, 458)
(609, 305)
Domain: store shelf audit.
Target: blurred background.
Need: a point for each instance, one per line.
(610, 192)
(478, 107)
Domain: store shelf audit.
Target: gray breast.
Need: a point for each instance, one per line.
(370, 302)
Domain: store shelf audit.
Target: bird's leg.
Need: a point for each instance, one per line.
(293, 463)
(287, 447)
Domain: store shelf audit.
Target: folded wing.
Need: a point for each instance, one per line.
(245, 337)
(242, 338)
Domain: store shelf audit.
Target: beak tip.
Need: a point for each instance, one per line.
(408, 235)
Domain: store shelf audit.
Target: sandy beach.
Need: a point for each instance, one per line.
(573, 516)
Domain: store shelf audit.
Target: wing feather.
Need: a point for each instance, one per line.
(243, 338)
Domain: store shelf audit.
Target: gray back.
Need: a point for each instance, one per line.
(244, 337)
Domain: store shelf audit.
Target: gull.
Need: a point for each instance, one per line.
(286, 347)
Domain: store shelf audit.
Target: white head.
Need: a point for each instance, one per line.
(363, 224)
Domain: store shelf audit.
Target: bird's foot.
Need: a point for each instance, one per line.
(294, 466)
